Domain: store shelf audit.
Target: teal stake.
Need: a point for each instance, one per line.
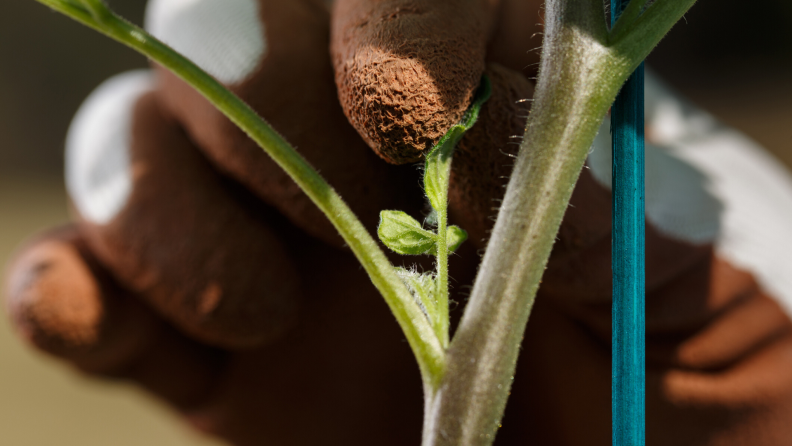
(627, 247)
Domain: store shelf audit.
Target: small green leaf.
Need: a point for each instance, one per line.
(455, 236)
(404, 234)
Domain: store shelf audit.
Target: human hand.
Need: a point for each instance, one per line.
(270, 347)
(194, 283)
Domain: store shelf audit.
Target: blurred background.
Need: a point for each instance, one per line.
(50, 64)
(731, 57)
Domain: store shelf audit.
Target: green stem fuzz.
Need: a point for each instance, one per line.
(442, 322)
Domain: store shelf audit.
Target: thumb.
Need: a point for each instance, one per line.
(65, 303)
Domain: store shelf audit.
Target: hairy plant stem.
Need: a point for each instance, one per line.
(628, 16)
(425, 344)
(580, 74)
(442, 277)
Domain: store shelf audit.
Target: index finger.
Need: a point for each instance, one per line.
(406, 70)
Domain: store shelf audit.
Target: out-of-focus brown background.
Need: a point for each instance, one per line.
(49, 65)
(733, 58)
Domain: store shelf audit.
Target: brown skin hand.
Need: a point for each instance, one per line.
(718, 346)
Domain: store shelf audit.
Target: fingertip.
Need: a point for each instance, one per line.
(407, 71)
(40, 305)
(62, 302)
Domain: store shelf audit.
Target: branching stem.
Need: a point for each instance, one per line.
(580, 74)
(422, 339)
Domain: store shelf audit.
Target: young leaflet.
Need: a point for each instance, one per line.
(405, 235)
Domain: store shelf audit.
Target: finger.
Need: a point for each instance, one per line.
(58, 299)
(62, 301)
(152, 209)
(273, 54)
(406, 71)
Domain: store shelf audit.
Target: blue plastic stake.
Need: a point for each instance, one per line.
(628, 335)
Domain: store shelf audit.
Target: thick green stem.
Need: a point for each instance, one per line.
(580, 75)
(420, 335)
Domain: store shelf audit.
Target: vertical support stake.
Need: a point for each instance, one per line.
(628, 259)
